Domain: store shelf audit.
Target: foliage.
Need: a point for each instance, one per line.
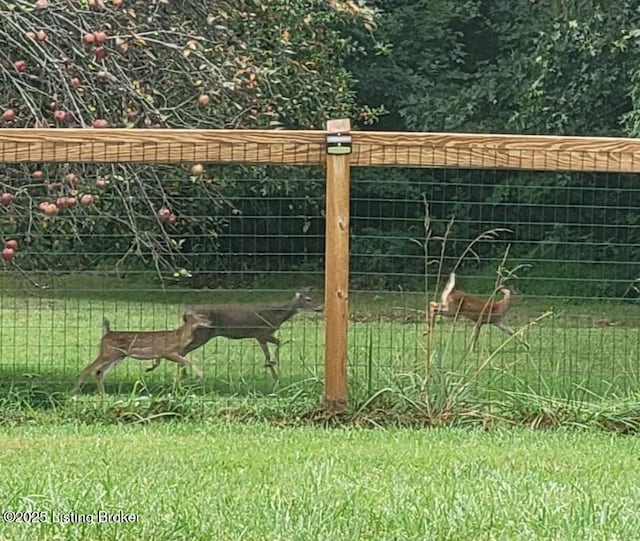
(546, 67)
(580, 70)
(553, 66)
(217, 64)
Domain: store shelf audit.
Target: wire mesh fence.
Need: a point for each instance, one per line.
(567, 242)
(84, 263)
(137, 242)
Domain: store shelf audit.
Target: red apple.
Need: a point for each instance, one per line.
(89, 38)
(171, 220)
(31, 35)
(42, 4)
(12, 244)
(101, 183)
(100, 53)
(6, 198)
(41, 35)
(95, 4)
(197, 169)
(51, 210)
(71, 201)
(203, 100)
(100, 123)
(100, 37)
(116, 3)
(8, 254)
(43, 205)
(37, 175)
(8, 115)
(86, 200)
(20, 66)
(59, 116)
(163, 214)
(75, 82)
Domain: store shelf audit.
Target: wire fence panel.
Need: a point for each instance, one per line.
(139, 238)
(136, 245)
(567, 241)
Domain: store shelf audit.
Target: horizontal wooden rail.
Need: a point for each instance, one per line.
(491, 151)
(162, 146)
(307, 147)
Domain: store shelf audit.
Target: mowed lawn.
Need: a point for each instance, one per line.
(257, 482)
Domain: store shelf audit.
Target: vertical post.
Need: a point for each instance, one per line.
(337, 264)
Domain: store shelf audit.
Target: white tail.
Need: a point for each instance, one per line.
(247, 321)
(455, 304)
(116, 345)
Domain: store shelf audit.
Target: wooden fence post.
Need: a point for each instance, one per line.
(337, 264)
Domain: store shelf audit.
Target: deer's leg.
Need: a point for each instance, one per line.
(184, 362)
(100, 365)
(88, 371)
(107, 365)
(505, 328)
(100, 373)
(268, 363)
(154, 364)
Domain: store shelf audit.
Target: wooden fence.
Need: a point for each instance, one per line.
(333, 150)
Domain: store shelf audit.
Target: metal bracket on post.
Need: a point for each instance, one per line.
(337, 143)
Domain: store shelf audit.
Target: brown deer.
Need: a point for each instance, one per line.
(246, 321)
(455, 303)
(116, 345)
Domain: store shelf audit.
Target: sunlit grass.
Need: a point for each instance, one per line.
(218, 481)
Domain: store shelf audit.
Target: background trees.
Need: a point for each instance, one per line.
(550, 66)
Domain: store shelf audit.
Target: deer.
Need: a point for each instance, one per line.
(456, 303)
(246, 321)
(142, 345)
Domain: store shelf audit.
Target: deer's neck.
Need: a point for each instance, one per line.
(278, 315)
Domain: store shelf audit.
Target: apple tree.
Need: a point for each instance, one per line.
(158, 63)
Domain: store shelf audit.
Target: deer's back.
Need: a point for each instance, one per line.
(236, 322)
(477, 308)
(143, 345)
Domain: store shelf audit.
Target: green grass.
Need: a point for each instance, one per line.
(45, 341)
(220, 481)
(582, 353)
(278, 474)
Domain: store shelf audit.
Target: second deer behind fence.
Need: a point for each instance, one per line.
(247, 321)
